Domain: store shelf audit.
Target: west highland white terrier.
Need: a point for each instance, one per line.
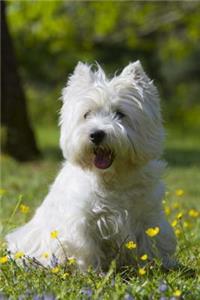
(108, 191)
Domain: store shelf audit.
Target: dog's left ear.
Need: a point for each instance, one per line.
(136, 72)
(148, 95)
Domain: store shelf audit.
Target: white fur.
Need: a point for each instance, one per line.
(95, 211)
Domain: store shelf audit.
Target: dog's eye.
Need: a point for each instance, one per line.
(86, 114)
(119, 114)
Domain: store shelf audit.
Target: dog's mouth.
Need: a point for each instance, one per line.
(103, 158)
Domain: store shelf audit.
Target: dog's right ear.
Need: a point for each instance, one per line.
(82, 74)
(80, 78)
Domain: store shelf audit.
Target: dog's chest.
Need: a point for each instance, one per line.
(111, 215)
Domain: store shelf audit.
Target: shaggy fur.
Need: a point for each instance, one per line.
(108, 191)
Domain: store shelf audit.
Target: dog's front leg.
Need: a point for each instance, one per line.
(81, 244)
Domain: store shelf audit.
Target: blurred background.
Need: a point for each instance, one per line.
(42, 41)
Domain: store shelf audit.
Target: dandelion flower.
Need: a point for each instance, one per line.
(167, 210)
(187, 224)
(177, 232)
(193, 213)
(174, 223)
(55, 270)
(179, 192)
(130, 245)
(179, 215)
(3, 259)
(152, 231)
(19, 254)
(45, 255)
(54, 234)
(142, 271)
(177, 293)
(71, 260)
(24, 208)
(176, 205)
(65, 275)
(144, 257)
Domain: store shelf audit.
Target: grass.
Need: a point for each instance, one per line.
(28, 183)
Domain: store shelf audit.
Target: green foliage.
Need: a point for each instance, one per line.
(29, 188)
(52, 36)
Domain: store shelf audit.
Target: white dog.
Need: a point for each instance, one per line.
(109, 190)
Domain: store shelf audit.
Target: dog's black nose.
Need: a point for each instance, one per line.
(97, 136)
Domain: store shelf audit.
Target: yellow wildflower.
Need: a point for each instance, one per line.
(179, 215)
(144, 257)
(179, 192)
(65, 275)
(187, 224)
(55, 270)
(176, 205)
(54, 234)
(130, 245)
(3, 259)
(193, 213)
(174, 223)
(167, 210)
(45, 255)
(19, 254)
(177, 293)
(24, 208)
(152, 231)
(71, 260)
(177, 232)
(2, 192)
(142, 271)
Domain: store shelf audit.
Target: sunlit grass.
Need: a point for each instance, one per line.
(24, 187)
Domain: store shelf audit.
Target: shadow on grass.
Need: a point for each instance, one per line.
(182, 157)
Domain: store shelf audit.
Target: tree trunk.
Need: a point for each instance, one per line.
(19, 137)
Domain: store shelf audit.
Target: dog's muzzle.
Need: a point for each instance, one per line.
(103, 157)
(97, 137)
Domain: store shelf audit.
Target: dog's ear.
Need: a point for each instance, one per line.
(142, 88)
(79, 79)
(82, 73)
(136, 72)
(83, 70)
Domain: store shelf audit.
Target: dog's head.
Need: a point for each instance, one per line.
(108, 123)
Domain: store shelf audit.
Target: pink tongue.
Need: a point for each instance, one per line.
(102, 160)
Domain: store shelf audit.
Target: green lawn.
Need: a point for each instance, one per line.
(28, 183)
